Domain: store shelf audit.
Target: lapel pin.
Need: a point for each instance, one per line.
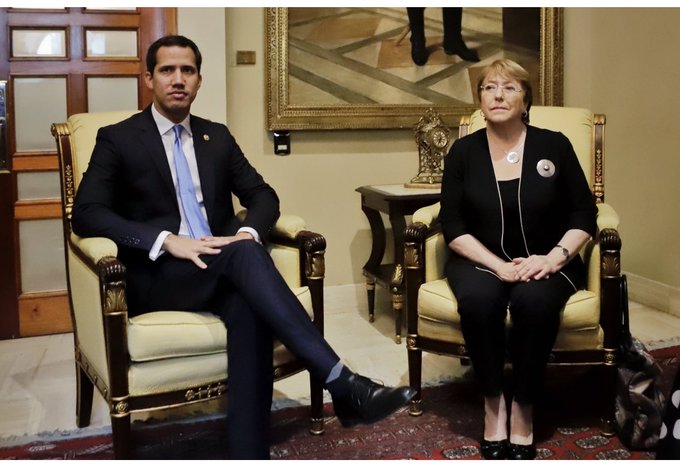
(545, 168)
(206, 137)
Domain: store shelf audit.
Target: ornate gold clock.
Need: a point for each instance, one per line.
(433, 139)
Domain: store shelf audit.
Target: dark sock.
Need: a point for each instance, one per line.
(340, 386)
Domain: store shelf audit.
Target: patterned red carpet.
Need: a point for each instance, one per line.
(567, 428)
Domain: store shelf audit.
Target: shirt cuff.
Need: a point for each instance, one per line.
(252, 232)
(156, 249)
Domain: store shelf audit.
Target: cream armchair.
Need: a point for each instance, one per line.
(164, 359)
(591, 320)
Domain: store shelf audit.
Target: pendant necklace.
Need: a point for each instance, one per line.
(512, 156)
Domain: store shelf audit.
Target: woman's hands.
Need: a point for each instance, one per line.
(535, 267)
(507, 271)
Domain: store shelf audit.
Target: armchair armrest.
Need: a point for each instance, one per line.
(427, 215)
(299, 255)
(607, 217)
(610, 275)
(94, 249)
(97, 283)
(288, 226)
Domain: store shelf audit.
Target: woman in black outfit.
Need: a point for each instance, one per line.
(516, 209)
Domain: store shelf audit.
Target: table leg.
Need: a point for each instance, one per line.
(375, 259)
(398, 222)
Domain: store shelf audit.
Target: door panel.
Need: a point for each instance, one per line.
(56, 62)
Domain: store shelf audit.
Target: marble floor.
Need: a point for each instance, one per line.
(37, 375)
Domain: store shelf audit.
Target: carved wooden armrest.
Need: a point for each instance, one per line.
(610, 285)
(112, 276)
(414, 246)
(610, 253)
(414, 237)
(314, 247)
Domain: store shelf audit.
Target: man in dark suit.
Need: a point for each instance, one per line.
(160, 185)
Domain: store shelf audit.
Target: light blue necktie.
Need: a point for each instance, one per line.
(196, 221)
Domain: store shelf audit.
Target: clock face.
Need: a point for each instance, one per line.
(439, 138)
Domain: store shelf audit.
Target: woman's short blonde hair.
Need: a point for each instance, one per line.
(512, 70)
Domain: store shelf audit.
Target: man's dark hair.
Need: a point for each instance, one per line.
(169, 41)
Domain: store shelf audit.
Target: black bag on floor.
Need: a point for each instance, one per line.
(669, 441)
(639, 401)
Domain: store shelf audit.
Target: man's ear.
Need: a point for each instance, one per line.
(148, 79)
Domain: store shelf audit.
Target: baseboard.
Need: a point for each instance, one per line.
(654, 294)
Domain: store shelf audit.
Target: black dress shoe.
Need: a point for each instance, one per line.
(522, 452)
(494, 449)
(367, 401)
(459, 47)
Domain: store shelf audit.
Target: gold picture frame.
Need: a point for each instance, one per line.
(284, 113)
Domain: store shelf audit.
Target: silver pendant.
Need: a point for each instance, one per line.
(545, 168)
(512, 157)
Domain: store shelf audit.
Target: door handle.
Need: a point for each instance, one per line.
(4, 151)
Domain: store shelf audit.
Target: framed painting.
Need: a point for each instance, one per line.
(352, 68)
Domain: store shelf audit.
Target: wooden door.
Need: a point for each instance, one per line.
(54, 63)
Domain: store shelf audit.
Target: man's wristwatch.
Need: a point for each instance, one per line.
(565, 252)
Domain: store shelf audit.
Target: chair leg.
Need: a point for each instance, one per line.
(398, 309)
(370, 294)
(316, 396)
(120, 430)
(415, 367)
(84, 392)
(608, 428)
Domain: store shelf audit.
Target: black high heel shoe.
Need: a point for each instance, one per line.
(494, 449)
(521, 452)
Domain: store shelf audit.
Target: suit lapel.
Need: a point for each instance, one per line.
(204, 161)
(153, 143)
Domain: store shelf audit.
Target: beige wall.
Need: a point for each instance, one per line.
(609, 58)
(621, 63)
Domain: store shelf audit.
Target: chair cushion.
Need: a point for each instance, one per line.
(172, 334)
(438, 318)
(172, 374)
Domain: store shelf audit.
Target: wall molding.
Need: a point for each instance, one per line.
(654, 294)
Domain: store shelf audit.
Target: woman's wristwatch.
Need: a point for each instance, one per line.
(565, 252)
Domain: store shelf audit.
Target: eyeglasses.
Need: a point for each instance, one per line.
(493, 88)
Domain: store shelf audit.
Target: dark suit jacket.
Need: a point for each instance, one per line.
(127, 193)
(550, 205)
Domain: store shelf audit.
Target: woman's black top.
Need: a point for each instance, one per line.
(549, 203)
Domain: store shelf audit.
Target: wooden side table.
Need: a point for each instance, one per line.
(397, 202)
